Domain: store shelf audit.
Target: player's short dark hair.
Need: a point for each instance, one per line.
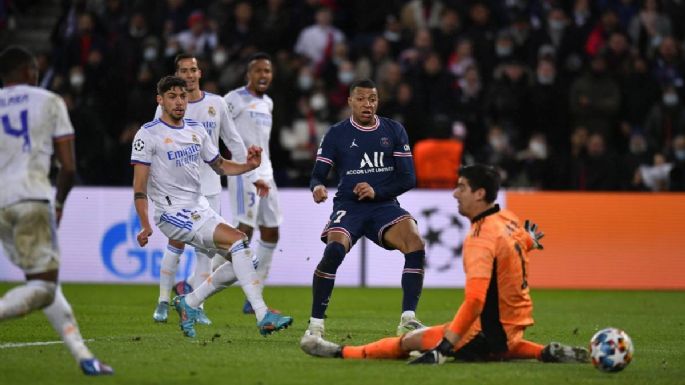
(482, 176)
(168, 82)
(182, 56)
(14, 58)
(362, 83)
(258, 56)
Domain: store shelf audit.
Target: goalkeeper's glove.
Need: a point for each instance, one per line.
(436, 356)
(535, 235)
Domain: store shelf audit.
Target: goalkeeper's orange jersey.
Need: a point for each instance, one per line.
(496, 248)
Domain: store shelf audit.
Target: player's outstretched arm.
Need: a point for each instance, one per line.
(228, 167)
(141, 172)
(64, 151)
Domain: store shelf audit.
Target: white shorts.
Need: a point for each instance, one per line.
(194, 226)
(27, 231)
(248, 208)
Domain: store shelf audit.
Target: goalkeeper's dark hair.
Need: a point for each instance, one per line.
(13, 59)
(168, 82)
(482, 176)
(362, 83)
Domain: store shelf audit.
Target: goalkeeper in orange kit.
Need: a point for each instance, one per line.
(497, 307)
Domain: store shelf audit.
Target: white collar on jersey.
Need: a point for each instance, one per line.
(377, 122)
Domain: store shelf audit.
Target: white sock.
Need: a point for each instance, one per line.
(219, 280)
(203, 268)
(62, 319)
(21, 300)
(265, 253)
(167, 271)
(217, 261)
(248, 278)
(316, 321)
(408, 314)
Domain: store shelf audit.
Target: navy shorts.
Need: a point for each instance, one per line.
(365, 219)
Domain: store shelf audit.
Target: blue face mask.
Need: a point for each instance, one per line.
(680, 155)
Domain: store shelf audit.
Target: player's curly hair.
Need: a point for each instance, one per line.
(482, 176)
(168, 82)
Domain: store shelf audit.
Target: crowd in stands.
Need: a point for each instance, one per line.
(561, 95)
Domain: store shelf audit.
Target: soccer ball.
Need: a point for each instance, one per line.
(182, 288)
(611, 350)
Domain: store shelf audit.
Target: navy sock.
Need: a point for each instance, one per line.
(324, 278)
(412, 279)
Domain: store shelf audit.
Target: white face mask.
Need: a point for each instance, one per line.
(150, 54)
(557, 25)
(545, 79)
(77, 80)
(318, 102)
(680, 154)
(538, 149)
(498, 142)
(346, 77)
(170, 51)
(305, 82)
(670, 99)
(219, 58)
(503, 50)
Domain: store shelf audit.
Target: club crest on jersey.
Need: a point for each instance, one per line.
(211, 111)
(385, 142)
(195, 216)
(139, 145)
(195, 140)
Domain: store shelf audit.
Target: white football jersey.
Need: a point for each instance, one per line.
(174, 155)
(252, 115)
(211, 112)
(31, 119)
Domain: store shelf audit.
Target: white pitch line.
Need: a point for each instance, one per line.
(10, 345)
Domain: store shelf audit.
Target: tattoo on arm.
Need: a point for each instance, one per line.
(139, 195)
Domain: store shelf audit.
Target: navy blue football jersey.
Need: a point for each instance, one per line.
(378, 155)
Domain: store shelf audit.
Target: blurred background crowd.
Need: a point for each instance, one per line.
(561, 95)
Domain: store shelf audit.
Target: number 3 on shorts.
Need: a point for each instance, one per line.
(339, 215)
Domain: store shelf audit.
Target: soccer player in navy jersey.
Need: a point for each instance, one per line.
(374, 162)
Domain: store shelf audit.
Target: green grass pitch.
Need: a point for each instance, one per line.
(118, 319)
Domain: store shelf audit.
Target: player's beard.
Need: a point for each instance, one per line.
(176, 115)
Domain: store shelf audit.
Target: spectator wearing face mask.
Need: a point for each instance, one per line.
(548, 103)
(665, 120)
(534, 164)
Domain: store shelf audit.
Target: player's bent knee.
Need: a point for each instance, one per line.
(44, 293)
(333, 256)
(225, 236)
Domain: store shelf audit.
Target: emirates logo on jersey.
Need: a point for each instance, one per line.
(139, 145)
(211, 111)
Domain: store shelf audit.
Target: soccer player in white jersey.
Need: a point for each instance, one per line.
(251, 109)
(36, 124)
(166, 155)
(211, 112)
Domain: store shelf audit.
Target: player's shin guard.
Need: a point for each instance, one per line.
(265, 253)
(324, 278)
(62, 319)
(223, 277)
(24, 299)
(248, 278)
(167, 271)
(412, 279)
(203, 268)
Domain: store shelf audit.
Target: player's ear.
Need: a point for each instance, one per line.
(159, 100)
(480, 194)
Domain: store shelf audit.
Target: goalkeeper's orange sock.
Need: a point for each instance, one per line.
(524, 350)
(386, 348)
